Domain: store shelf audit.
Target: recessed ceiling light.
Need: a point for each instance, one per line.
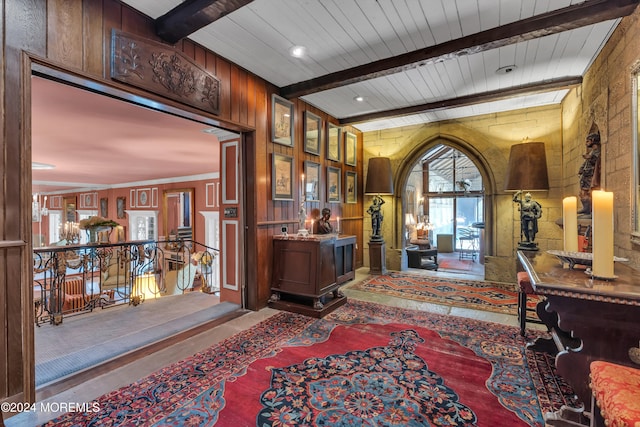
(40, 166)
(506, 69)
(297, 51)
(358, 98)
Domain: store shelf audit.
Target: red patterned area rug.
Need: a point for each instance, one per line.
(455, 264)
(363, 365)
(478, 295)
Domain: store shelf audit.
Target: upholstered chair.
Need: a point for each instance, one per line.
(177, 282)
(117, 271)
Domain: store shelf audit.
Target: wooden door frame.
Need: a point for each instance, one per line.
(34, 65)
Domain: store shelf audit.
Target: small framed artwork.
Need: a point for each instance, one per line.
(333, 142)
(311, 181)
(282, 121)
(312, 133)
(333, 184)
(104, 207)
(350, 144)
(282, 177)
(70, 209)
(120, 205)
(350, 187)
(144, 198)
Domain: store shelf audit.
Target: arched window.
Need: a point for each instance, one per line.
(444, 194)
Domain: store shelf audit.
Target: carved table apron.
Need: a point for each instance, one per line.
(590, 319)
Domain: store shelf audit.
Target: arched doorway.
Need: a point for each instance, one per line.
(444, 201)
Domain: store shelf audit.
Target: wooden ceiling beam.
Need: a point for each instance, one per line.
(479, 98)
(567, 18)
(191, 15)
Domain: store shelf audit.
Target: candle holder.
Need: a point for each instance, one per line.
(70, 232)
(302, 219)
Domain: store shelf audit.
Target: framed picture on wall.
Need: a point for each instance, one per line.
(311, 181)
(333, 184)
(104, 207)
(350, 144)
(333, 142)
(312, 133)
(70, 209)
(281, 121)
(282, 177)
(350, 187)
(144, 198)
(120, 206)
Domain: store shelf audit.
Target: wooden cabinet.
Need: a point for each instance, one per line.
(308, 271)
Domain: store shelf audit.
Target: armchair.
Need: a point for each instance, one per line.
(116, 272)
(426, 259)
(177, 282)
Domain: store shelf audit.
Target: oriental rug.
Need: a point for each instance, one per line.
(455, 264)
(365, 364)
(477, 295)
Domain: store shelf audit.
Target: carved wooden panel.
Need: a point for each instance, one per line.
(163, 70)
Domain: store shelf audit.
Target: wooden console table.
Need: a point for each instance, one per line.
(590, 319)
(307, 269)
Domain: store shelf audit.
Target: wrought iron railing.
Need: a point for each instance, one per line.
(75, 279)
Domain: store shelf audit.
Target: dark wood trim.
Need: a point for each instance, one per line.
(556, 21)
(111, 88)
(160, 69)
(189, 16)
(478, 98)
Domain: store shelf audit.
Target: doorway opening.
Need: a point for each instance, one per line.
(444, 208)
(113, 157)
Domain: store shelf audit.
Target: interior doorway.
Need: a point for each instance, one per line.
(444, 206)
(94, 141)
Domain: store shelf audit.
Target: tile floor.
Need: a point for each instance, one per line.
(145, 366)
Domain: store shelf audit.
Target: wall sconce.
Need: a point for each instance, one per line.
(38, 208)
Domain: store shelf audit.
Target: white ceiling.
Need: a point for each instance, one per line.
(341, 34)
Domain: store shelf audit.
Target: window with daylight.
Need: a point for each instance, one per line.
(444, 195)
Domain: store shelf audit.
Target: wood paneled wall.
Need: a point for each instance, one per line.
(74, 36)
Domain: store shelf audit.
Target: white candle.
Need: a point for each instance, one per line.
(602, 233)
(337, 224)
(311, 232)
(570, 223)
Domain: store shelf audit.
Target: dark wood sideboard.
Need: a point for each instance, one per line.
(308, 272)
(589, 319)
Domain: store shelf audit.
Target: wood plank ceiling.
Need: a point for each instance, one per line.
(412, 61)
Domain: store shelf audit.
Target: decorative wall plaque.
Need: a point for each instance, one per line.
(163, 70)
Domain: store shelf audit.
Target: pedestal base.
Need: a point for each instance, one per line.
(306, 307)
(377, 258)
(527, 246)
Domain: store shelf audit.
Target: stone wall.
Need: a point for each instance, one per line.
(605, 99)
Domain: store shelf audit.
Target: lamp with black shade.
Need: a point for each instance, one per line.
(379, 182)
(526, 172)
